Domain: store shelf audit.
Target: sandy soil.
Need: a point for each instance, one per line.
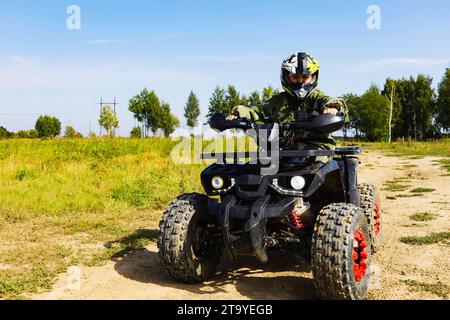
(140, 276)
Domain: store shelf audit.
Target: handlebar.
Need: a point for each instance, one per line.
(219, 122)
(324, 124)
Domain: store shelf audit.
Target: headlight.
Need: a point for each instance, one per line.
(298, 183)
(217, 183)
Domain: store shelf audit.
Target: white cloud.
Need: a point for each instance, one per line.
(375, 65)
(20, 60)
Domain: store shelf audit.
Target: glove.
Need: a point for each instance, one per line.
(331, 110)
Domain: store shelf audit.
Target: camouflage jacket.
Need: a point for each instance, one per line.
(283, 107)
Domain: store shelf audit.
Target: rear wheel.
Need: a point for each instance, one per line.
(341, 252)
(189, 241)
(371, 205)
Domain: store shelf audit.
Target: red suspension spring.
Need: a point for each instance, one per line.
(295, 219)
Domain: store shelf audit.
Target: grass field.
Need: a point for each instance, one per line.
(439, 148)
(61, 200)
(69, 202)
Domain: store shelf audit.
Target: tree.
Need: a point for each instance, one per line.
(146, 108)
(415, 105)
(232, 98)
(48, 127)
(192, 110)
(218, 103)
(374, 119)
(136, 106)
(108, 120)
(27, 134)
(257, 99)
(254, 100)
(443, 102)
(136, 133)
(71, 133)
(425, 107)
(394, 107)
(268, 92)
(403, 104)
(354, 106)
(4, 133)
(223, 101)
(169, 122)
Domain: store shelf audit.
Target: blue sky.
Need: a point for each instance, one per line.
(174, 47)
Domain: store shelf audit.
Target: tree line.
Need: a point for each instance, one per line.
(153, 114)
(401, 109)
(46, 127)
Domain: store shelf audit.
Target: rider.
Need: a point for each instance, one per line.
(299, 78)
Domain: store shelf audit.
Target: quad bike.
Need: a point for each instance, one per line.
(313, 209)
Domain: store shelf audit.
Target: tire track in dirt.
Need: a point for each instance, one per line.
(140, 276)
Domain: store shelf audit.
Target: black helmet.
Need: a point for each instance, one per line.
(298, 65)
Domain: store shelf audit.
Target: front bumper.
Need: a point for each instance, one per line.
(256, 214)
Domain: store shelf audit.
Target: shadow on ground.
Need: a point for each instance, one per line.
(281, 278)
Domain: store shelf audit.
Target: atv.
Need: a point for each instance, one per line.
(312, 209)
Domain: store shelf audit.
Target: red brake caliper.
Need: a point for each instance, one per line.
(377, 210)
(359, 255)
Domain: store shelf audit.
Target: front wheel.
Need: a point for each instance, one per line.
(371, 205)
(341, 253)
(189, 240)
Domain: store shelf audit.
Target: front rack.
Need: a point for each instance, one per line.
(347, 151)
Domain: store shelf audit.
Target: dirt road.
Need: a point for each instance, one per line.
(401, 271)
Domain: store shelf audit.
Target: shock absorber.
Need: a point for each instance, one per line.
(295, 219)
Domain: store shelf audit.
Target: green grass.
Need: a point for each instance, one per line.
(414, 195)
(402, 179)
(64, 201)
(86, 201)
(439, 148)
(423, 216)
(434, 238)
(395, 185)
(415, 151)
(14, 285)
(445, 164)
(439, 289)
(23, 174)
(422, 190)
